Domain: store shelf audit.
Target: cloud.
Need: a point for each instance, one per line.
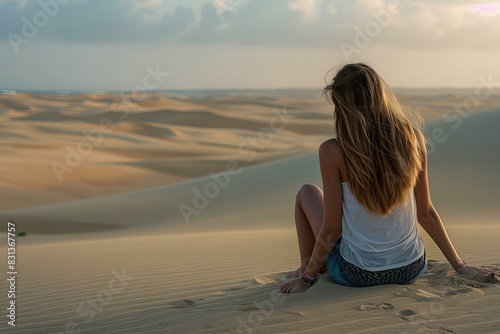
(99, 21)
(272, 24)
(427, 24)
(309, 8)
(315, 24)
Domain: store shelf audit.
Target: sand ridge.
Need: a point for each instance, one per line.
(108, 250)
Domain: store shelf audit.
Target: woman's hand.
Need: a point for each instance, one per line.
(294, 285)
(471, 270)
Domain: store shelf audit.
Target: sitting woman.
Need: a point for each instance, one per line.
(362, 227)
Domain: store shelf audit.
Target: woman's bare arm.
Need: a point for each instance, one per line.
(330, 158)
(430, 221)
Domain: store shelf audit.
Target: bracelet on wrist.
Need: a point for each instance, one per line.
(306, 280)
(311, 278)
(461, 267)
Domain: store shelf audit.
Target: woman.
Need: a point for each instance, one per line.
(362, 227)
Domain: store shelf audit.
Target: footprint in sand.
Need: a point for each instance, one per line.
(464, 294)
(406, 313)
(183, 303)
(372, 307)
(417, 294)
(409, 315)
(460, 294)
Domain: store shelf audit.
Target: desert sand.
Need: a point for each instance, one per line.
(174, 214)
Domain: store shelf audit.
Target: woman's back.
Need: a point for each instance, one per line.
(375, 242)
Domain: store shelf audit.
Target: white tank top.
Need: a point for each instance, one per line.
(373, 242)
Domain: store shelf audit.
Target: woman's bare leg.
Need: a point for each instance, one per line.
(308, 221)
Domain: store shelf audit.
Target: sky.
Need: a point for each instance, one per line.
(254, 44)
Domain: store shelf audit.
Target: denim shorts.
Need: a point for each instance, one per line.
(347, 274)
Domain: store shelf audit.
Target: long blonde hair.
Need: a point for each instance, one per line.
(378, 137)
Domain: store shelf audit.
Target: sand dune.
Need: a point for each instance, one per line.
(108, 250)
(157, 140)
(465, 166)
(458, 195)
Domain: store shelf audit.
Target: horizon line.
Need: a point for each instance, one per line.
(97, 90)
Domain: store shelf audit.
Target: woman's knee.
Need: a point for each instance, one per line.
(307, 190)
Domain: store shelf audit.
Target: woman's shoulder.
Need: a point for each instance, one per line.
(331, 145)
(330, 149)
(330, 154)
